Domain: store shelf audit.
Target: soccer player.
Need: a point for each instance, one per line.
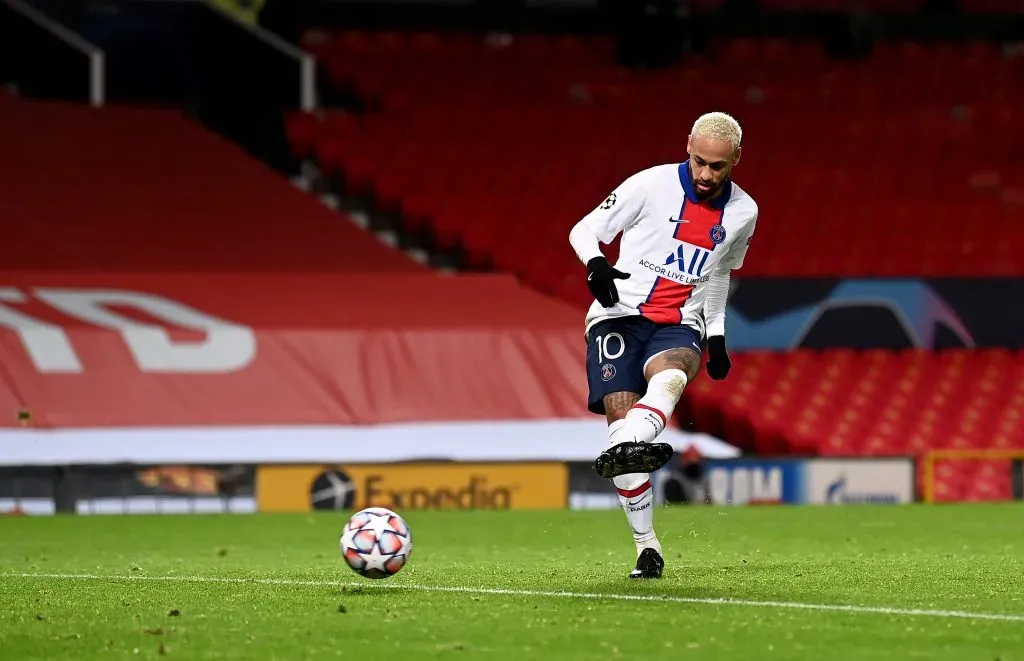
(685, 227)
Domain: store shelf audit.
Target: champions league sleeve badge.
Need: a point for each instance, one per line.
(717, 234)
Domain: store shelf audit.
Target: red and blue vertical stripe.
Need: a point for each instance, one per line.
(667, 297)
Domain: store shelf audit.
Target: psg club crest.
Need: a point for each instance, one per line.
(607, 372)
(717, 234)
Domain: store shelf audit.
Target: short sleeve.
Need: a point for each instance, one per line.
(738, 250)
(619, 210)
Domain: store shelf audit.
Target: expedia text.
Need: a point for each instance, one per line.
(477, 494)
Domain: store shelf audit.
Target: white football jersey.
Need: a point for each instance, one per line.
(671, 243)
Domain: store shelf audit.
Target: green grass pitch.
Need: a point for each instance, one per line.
(873, 583)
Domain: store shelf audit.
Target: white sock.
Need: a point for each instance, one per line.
(649, 416)
(637, 498)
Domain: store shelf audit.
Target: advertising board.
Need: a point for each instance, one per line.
(754, 481)
(859, 481)
(757, 481)
(412, 486)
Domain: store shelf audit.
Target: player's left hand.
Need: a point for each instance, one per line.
(601, 277)
(718, 358)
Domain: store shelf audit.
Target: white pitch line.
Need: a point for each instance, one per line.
(667, 599)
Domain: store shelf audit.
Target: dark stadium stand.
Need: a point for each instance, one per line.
(890, 6)
(991, 6)
(894, 6)
(447, 147)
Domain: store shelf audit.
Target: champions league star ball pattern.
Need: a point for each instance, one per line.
(376, 542)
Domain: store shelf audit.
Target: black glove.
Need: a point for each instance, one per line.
(718, 358)
(601, 279)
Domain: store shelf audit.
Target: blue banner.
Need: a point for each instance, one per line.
(816, 481)
(755, 481)
(820, 313)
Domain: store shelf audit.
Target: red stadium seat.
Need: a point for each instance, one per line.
(53, 202)
(528, 134)
(872, 403)
(499, 149)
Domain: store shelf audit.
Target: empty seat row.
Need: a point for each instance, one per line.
(873, 403)
(904, 164)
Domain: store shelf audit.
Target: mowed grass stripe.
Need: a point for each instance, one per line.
(667, 599)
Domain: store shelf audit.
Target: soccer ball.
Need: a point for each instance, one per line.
(376, 542)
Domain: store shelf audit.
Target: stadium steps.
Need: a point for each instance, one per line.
(362, 208)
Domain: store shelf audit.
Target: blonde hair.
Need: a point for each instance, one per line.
(720, 126)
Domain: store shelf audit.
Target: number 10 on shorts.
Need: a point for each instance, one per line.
(610, 347)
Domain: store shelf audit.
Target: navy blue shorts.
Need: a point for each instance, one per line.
(618, 350)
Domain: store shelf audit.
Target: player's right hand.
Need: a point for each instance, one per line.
(601, 277)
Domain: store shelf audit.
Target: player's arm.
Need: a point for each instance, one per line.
(618, 212)
(715, 303)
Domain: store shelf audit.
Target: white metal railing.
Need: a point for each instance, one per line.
(307, 63)
(97, 77)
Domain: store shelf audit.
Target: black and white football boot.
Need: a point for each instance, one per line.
(633, 457)
(648, 565)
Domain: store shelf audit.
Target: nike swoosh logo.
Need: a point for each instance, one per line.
(634, 504)
(677, 220)
(590, 276)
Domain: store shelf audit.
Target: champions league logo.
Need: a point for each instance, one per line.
(917, 313)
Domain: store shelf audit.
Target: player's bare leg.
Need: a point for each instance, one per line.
(667, 374)
(684, 359)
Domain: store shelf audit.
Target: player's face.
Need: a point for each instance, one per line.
(711, 163)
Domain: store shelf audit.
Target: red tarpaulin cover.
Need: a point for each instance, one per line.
(156, 275)
(289, 349)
